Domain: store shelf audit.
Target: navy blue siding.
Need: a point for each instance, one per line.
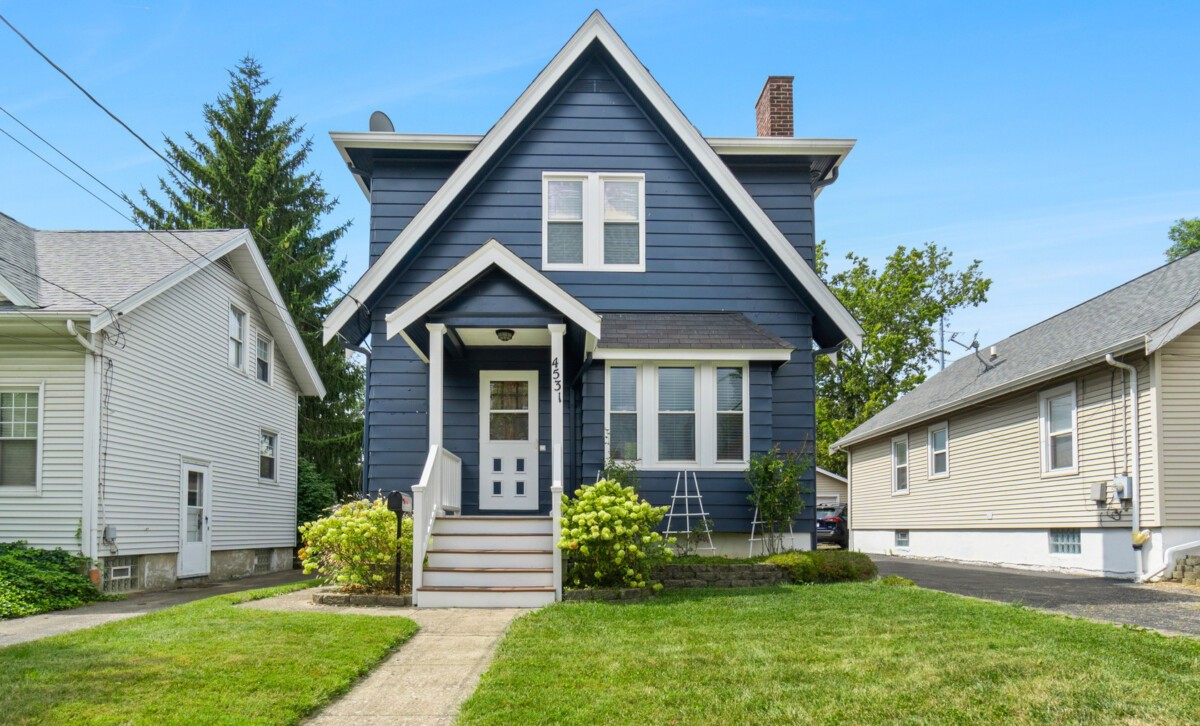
(398, 195)
(698, 259)
(785, 194)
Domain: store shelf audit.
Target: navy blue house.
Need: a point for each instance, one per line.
(590, 278)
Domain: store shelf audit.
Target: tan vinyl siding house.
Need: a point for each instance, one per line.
(994, 496)
(148, 439)
(831, 487)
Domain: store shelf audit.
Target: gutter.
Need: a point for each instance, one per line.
(1138, 535)
(1129, 346)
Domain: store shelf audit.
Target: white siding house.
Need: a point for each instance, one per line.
(1025, 455)
(147, 405)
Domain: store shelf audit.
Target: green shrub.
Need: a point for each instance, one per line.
(777, 491)
(36, 581)
(609, 535)
(825, 566)
(315, 494)
(896, 581)
(355, 546)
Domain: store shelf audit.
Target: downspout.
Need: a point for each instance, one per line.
(89, 514)
(820, 184)
(366, 410)
(1138, 535)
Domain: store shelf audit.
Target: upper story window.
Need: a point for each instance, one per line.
(900, 464)
(939, 450)
(20, 426)
(267, 443)
(1058, 426)
(263, 349)
(664, 415)
(237, 338)
(594, 221)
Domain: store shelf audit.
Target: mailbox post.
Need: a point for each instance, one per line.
(399, 502)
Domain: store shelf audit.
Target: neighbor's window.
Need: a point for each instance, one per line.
(19, 416)
(677, 414)
(902, 538)
(267, 455)
(939, 450)
(593, 221)
(237, 338)
(622, 413)
(1058, 429)
(262, 358)
(696, 413)
(731, 442)
(1065, 542)
(900, 463)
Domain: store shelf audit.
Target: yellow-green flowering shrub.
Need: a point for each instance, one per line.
(355, 546)
(609, 535)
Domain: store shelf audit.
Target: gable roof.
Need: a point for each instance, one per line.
(103, 275)
(829, 313)
(1143, 314)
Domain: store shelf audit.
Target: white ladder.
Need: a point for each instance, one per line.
(756, 525)
(688, 515)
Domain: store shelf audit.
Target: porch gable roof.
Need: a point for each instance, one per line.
(491, 255)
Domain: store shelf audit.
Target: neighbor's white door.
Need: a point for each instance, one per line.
(508, 440)
(195, 546)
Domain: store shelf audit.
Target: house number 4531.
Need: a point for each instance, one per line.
(556, 378)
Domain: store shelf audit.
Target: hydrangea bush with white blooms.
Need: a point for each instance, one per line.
(610, 537)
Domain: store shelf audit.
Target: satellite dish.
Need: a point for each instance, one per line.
(381, 122)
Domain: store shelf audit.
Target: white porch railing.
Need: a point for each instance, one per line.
(439, 492)
(556, 495)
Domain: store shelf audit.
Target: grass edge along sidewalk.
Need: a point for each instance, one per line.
(854, 652)
(202, 662)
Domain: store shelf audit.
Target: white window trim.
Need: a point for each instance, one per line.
(258, 458)
(245, 334)
(637, 398)
(907, 463)
(1044, 429)
(706, 414)
(593, 220)
(270, 382)
(30, 386)
(943, 426)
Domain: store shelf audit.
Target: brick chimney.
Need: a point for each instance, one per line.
(774, 107)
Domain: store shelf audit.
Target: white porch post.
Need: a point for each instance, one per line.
(436, 354)
(557, 391)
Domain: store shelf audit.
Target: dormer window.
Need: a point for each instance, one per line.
(593, 221)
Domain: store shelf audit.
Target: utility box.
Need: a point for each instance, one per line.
(1123, 487)
(1100, 492)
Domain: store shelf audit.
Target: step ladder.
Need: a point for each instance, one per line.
(756, 526)
(689, 480)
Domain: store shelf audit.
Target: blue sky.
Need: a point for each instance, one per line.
(1056, 142)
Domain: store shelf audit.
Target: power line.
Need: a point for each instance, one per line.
(183, 175)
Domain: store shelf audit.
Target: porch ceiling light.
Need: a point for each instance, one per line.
(504, 334)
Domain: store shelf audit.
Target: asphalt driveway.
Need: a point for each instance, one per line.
(1167, 607)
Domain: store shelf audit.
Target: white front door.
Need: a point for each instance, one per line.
(194, 545)
(508, 440)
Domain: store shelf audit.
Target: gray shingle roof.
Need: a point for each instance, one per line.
(1077, 337)
(685, 331)
(106, 267)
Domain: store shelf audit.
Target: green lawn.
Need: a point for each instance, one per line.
(205, 662)
(853, 653)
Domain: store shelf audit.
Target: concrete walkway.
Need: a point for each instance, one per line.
(34, 627)
(427, 679)
(1167, 607)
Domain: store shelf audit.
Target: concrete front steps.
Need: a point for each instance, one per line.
(489, 562)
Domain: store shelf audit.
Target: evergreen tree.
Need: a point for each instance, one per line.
(249, 171)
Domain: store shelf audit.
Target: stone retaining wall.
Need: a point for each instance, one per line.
(733, 575)
(624, 593)
(1187, 570)
(331, 596)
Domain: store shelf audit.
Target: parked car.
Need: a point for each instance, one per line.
(833, 525)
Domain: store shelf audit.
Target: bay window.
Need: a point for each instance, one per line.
(695, 414)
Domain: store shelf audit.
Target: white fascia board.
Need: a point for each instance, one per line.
(1178, 325)
(346, 140)
(106, 318)
(491, 254)
(14, 295)
(1033, 379)
(780, 355)
(596, 28)
(831, 475)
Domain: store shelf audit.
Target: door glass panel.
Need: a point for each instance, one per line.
(509, 427)
(195, 506)
(510, 395)
(497, 465)
(497, 488)
(520, 465)
(520, 489)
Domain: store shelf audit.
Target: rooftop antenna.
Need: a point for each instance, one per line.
(972, 346)
(381, 122)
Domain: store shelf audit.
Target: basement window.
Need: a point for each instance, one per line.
(902, 538)
(1065, 542)
(120, 575)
